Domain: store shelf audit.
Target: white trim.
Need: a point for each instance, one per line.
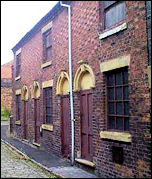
(113, 31)
(46, 27)
(18, 51)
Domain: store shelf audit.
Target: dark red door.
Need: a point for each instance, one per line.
(86, 125)
(25, 120)
(36, 120)
(65, 117)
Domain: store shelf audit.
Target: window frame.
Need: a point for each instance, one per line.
(45, 47)
(103, 8)
(18, 107)
(18, 64)
(50, 106)
(116, 115)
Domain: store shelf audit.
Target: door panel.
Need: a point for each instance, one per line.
(36, 120)
(65, 126)
(25, 120)
(86, 124)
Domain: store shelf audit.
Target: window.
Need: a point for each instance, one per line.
(18, 107)
(48, 104)
(47, 45)
(118, 100)
(113, 12)
(18, 65)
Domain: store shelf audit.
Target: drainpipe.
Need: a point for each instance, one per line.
(70, 75)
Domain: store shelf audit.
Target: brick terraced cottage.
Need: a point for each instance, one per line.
(6, 85)
(111, 86)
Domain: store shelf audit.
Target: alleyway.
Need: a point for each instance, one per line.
(13, 166)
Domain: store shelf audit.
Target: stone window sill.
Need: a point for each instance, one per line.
(113, 31)
(18, 123)
(48, 127)
(46, 64)
(118, 136)
(17, 78)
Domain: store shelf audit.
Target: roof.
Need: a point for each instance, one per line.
(48, 17)
(6, 70)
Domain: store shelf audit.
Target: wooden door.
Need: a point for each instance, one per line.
(36, 120)
(86, 125)
(25, 121)
(65, 108)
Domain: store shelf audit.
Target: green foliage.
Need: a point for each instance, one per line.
(5, 113)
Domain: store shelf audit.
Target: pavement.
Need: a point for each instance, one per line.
(56, 165)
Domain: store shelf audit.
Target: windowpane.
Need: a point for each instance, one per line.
(126, 93)
(126, 108)
(48, 111)
(48, 52)
(118, 100)
(126, 126)
(118, 78)
(125, 77)
(119, 93)
(114, 14)
(119, 107)
(119, 123)
(111, 94)
(111, 80)
(48, 40)
(48, 104)
(111, 122)
(111, 108)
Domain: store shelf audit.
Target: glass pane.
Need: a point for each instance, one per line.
(111, 107)
(48, 40)
(48, 102)
(119, 78)
(115, 14)
(126, 123)
(126, 93)
(119, 93)
(111, 80)
(48, 119)
(48, 53)
(126, 108)
(111, 122)
(119, 123)
(125, 77)
(119, 108)
(48, 110)
(111, 93)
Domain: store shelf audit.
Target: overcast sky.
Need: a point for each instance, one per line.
(17, 18)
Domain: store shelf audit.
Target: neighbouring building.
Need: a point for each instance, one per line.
(6, 85)
(111, 72)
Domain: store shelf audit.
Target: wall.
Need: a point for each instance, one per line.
(87, 46)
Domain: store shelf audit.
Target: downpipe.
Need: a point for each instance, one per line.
(70, 76)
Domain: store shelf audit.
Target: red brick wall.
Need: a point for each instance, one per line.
(6, 86)
(86, 46)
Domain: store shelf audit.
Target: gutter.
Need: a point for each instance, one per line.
(70, 76)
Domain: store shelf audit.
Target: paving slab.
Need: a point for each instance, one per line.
(60, 166)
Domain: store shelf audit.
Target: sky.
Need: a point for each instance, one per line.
(17, 18)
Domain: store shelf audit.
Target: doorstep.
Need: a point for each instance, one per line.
(36, 144)
(85, 162)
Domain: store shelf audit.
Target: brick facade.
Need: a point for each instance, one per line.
(86, 46)
(6, 85)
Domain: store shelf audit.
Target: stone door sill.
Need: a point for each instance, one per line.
(85, 162)
(36, 144)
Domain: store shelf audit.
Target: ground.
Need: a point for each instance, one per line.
(15, 166)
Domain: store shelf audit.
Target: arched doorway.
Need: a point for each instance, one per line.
(63, 91)
(84, 82)
(36, 97)
(24, 97)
